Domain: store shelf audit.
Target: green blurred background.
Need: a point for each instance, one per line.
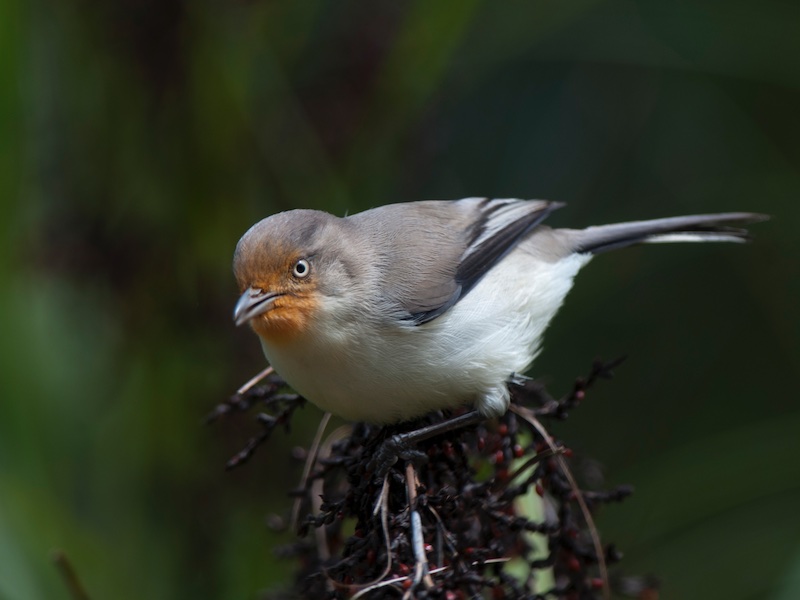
(140, 138)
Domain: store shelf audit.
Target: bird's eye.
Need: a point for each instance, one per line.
(301, 268)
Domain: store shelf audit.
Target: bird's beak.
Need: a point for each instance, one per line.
(252, 303)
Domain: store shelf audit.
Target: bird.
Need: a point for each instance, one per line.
(391, 313)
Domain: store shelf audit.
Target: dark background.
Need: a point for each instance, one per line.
(140, 138)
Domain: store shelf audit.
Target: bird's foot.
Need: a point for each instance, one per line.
(403, 445)
(399, 446)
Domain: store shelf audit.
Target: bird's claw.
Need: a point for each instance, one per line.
(390, 451)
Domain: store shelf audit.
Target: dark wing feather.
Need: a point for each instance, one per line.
(495, 228)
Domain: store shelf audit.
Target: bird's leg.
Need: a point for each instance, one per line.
(401, 445)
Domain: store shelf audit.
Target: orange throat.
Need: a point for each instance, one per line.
(289, 317)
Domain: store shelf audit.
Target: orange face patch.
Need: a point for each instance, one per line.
(289, 316)
(291, 313)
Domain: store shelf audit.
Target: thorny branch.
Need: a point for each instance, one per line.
(267, 394)
(488, 511)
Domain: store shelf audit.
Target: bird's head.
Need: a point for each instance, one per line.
(285, 268)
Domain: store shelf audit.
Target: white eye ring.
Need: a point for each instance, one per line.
(301, 268)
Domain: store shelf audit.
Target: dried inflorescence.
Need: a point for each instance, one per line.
(488, 511)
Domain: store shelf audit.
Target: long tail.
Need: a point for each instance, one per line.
(694, 228)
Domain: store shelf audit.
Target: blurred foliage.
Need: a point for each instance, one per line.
(140, 138)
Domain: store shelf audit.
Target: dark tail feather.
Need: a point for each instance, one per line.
(695, 228)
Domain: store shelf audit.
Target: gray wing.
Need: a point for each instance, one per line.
(441, 249)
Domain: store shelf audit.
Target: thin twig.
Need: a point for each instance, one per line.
(253, 381)
(317, 489)
(528, 415)
(381, 506)
(70, 576)
(417, 540)
(311, 458)
(400, 580)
